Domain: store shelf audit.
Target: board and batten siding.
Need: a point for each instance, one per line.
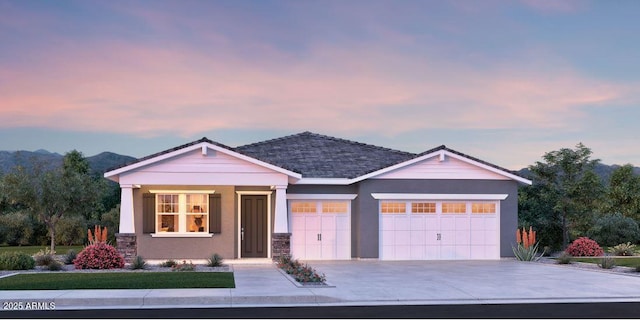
(194, 168)
(433, 168)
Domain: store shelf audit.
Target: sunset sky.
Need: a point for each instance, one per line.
(504, 81)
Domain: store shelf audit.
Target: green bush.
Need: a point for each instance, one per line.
(564, 258)
(16, 261)
(612, 229)
(71, 230)
(623, 249)
(70, 256)
(215, 260)
(527, 254)
(169, 263)
(16, 228)
(607, 262)
(138, 263)
(111, 220)
(54, 265)
(184, 266)
(638, 268)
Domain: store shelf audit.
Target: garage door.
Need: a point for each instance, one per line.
(434, 230)
(320, 230)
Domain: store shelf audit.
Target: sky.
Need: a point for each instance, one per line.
(503, 81)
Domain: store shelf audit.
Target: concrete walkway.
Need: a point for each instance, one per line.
(369, 282)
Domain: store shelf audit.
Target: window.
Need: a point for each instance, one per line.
(483, 207)
(393, 207)
(423, 207)
(334, 207)
(454, 207)
(303, 207)
(182, 213)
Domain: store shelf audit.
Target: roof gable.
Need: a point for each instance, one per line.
(227, 156)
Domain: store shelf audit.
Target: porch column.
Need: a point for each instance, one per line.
(126, 209)
(281, 223)
(281, 238)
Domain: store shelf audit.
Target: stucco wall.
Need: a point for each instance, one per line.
(222, 243)
(365, 226)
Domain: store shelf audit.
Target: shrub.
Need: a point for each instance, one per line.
(169, 263)
(584, 247)
(44, 257)
(215, 260)
(138, 263)
(638, 268)
(16, 228)
(16, 261)
(70, 256)
(607, 262)
(612, 229)
(98, 256)
(111, 220)
(99, 235)
(300, 272)
(54, 265)
(623, 249)
(564, 258)
(184, 266)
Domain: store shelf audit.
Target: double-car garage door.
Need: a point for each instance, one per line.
(321, 230)
(433, 230)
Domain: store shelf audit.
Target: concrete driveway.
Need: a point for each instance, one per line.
(375, 282)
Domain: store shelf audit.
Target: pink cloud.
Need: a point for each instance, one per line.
(147, 90)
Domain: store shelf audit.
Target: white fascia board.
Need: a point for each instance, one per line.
(489, 168)
(196, 147)
(321, 196)
(329, 181)
(437, 196)
(442, 154)
(184, 191)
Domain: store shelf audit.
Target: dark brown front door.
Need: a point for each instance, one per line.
(253, 227)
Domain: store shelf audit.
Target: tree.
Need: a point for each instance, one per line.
(571, 186)
(623, 194)
(52, 194)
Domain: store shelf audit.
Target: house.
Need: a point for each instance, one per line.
(315, 197)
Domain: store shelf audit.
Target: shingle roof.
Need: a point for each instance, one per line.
(319, 156)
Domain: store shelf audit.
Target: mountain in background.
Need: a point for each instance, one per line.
(98, 163)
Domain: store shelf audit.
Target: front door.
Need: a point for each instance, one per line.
(253, 226)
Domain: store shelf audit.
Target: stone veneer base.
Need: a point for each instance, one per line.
(280, 245)
(127, 246)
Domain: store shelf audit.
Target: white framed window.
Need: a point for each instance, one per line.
(303, 207)
(392, 207)
(454, 207)
(335, 207)
(483, 208)
(182, 213)
(423, 207)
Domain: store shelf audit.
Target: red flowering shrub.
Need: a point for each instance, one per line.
(98, 256)
(584, 247)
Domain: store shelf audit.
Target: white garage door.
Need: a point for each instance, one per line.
(320, 230)
(433, 230)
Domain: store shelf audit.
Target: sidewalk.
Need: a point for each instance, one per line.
(368, 283)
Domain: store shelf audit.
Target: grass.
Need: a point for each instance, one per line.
(623, 262)
(34, 249)
(118, 280)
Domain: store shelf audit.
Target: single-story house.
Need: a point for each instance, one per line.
(315, 197)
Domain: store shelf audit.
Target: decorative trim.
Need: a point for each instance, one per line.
(200, 146)
(321, 196)
(324, 181)
(435, 196)
(441, 154)
(182, 235)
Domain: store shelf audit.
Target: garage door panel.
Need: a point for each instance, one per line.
(418, 238)
(402, 223)
(490, 238)
(448, 237)
(432, 223)
(388, 237)
(321, 232)
(388, 252)
(343, 223)
(402, 252)
(477, 223)
(388, 223)
(417, 222)
(462, 223)
(491, 223)
(447, 223)
(463, 237)
(417, 252)
(403, 238)
(463, 251)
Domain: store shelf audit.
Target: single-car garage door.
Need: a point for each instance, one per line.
(433, 230)
(321, 230)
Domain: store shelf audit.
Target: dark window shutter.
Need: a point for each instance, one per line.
(148, 213)
(215, 213)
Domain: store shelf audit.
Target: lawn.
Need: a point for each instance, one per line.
(117, 280)
(34, 249)
(623, 262)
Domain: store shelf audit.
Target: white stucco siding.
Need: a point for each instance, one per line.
(449, 168)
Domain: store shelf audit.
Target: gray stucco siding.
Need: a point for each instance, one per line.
(365, 220)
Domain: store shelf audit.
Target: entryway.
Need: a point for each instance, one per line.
(253, 226)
